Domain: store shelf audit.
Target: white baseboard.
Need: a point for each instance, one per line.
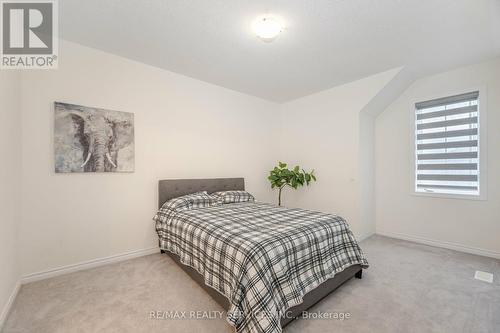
(8, 305)
(443, 244)
(87, 264)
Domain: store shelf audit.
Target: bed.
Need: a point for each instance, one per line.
(206, 267)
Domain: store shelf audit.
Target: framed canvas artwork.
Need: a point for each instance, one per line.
(88, 139)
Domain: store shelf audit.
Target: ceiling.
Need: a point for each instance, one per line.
(326, 42)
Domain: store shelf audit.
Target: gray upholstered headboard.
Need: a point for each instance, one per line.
(172, 188)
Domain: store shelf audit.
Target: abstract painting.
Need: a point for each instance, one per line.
(90, 139)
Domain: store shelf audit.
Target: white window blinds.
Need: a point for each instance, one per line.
(447, 142)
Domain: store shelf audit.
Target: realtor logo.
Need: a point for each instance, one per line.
(29, 34)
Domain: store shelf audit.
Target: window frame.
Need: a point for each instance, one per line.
(482, 148)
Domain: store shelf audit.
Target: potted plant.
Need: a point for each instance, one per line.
(281, 177)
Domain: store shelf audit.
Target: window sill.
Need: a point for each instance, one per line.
(480, 197)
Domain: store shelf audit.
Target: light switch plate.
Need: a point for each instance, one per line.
(484, 276)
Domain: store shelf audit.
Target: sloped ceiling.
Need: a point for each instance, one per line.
(326, 42)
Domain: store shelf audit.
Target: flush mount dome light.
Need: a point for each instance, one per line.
(267, 28)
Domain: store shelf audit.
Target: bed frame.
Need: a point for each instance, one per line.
(172, 188)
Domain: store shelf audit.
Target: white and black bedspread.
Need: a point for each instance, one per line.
(262, 257)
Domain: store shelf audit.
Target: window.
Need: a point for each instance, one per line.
(447, 145)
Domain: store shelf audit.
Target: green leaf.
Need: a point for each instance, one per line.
(280, 176)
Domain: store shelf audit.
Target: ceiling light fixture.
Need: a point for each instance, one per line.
(267, 28)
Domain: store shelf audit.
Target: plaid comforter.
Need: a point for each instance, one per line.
(262, 257)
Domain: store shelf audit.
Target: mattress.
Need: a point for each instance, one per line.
(263, 258)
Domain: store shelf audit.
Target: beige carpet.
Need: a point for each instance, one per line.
(408, 288)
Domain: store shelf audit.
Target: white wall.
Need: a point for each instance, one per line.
(184, 128)
(366, 172)
(10, 171)
(326, 132)
(188, 129)
(464, 224)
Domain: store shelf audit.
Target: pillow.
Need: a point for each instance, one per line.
(185, 202)
(227, 197)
